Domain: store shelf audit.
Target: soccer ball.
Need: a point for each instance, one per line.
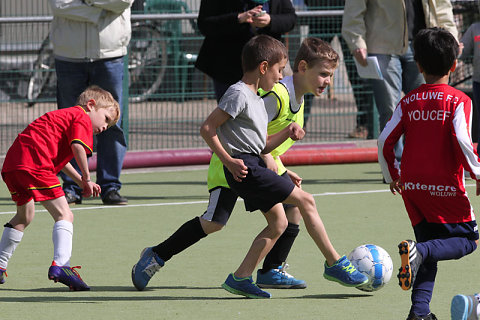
(374, 262)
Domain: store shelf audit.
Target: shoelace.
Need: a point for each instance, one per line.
(283, 269)
(350, 268)
(152, 268)
(76, 272)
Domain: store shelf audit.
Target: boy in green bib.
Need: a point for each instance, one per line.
(314, 66)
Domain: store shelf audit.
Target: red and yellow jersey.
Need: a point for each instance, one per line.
(44, 145)
(435, 120)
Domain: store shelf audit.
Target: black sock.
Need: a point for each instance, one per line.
(281, 249)
(188, 234)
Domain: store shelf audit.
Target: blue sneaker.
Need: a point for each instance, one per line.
(279, 279)
(244, 287)
(344, 273)
(3, 275)
(145, 268)
(68, 276)
(465, 307)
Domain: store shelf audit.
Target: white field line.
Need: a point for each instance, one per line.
(203, 201)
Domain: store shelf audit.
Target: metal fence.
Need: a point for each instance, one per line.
(168, 97)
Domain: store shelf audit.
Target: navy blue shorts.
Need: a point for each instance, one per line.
(262, 188)
(425, 231)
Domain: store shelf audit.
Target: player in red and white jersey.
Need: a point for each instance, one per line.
(435, 120)
(30, 172)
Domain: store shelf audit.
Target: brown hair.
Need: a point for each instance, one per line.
(103, 99)
(313, 50)
(262, 48)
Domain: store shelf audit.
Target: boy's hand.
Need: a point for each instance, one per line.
(396, 186)
(237, 169)
(295, 178)
(295, 131)
(90, 188)
(270, 162)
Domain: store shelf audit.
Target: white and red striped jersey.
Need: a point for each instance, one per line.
(436, 122)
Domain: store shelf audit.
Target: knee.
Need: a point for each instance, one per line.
(279, 227)
(64, 215)
(307, 201)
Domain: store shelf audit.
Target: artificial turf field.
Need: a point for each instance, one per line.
(351, 199)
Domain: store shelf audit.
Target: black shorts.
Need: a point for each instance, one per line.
(262, 188)
(220, 205)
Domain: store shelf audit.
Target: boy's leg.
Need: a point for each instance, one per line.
(220, 206)
(273, 274)
(337, 268)
(264, 241)
(13, 234)
(241, 281)
(434, 250)
(62, 237)
(313, 223)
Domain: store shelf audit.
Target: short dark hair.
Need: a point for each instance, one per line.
(262, 48)
(435, 50)
(313, 50)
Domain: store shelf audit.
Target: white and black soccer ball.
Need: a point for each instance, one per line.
(374, 262)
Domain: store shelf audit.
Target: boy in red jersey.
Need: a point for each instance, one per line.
(30, 172)
(435, 119)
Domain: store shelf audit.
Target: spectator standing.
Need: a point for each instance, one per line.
(90, 39)
(228, 25)
(385, 29)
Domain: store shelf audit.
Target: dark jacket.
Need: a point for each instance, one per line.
(220, 54)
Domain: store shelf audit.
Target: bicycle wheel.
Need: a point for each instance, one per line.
(42, 72)
(147, 61)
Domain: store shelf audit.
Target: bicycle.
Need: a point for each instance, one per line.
(43, 72)
(153, 44)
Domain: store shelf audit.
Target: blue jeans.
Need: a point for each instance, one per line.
(72, 79)
(400, 73)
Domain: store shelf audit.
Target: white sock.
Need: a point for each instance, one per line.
(477, 295)
(62, 237)
(10, 239)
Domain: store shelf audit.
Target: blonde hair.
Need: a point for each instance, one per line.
(314, 50)
(103, 99)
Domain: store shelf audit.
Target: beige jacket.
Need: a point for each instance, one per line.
(90, 29)
(380, 26)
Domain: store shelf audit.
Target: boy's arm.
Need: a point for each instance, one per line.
(293, 131)
(208, 131)
(70, 171)
(469, 158)
(295, 178)
(269, 161)
(89, 188)
(386, 142)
